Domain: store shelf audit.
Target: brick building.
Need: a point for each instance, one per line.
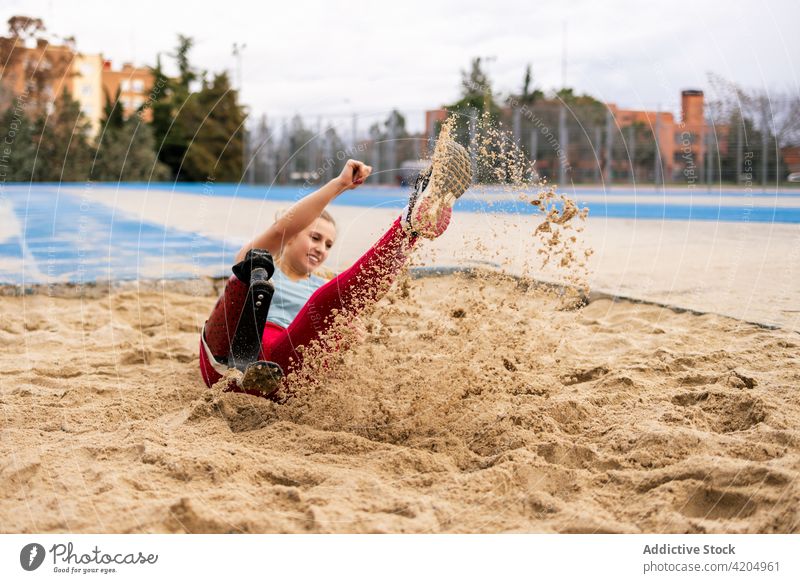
(86, 90)
(34, 70)
(37, 71)
(134, 85)
(681, 144)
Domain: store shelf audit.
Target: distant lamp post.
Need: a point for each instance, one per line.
(487, 60)
(237, 52)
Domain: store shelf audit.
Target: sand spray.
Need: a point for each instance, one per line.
(354, 379)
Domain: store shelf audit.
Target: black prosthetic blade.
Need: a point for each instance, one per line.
(254, 259)
(246, 343)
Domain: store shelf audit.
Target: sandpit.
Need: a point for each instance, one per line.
(474, 403)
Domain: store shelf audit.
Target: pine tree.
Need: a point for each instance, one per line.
(63, 153)
(477, 101)
(477, 107)
(126, 149)
(299, 137)
(113, 111)
(217, 121)
(529, 95)
(198, 134)
(19, 131)
(172, 135)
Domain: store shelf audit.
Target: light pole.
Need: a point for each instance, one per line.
(237, 52)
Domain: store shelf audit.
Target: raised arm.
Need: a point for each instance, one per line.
(307, 210)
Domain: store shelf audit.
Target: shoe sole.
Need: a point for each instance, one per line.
(450, 177)
(262, 377)
(452, 171)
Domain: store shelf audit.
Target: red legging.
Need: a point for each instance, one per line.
(352, 291)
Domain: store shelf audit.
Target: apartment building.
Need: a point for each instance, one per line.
(582, 135)
(134, 85)
(38, 70)
(86, 88)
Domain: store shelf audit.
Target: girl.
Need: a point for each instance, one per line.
(273, 303)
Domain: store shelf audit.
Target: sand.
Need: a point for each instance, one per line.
(477, 401)
(472, 405)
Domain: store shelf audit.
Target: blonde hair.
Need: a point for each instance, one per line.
(323, 215)
(328, 217)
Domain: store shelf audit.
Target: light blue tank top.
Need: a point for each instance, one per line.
(290, 296)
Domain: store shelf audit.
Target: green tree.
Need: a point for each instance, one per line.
(199, 134)
(529, 94)
(583, 109)
(635, 144)
(126, 149)
(19, 130)
(743, 120)
(113, 114)
(394, 128)
(217, 122)
(297, 153)
(64, 152)
(171, 135)
(477, 101)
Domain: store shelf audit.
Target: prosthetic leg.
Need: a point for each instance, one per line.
(233, 332)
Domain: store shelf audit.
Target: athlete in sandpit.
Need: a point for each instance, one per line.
(273, 303)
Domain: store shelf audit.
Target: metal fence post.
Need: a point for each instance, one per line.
(609, 177)
(473, 153)
(563, 138)
(632, 151)
(598, 140)
(764, 145)
(739, 148)
(657, 171)
(391, 149)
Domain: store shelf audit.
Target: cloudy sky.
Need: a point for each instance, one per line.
(335, 58)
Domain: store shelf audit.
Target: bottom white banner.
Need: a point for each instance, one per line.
(356, 558)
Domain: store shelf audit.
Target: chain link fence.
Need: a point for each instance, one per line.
(570, 144)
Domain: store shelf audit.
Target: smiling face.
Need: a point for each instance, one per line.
(309, 248)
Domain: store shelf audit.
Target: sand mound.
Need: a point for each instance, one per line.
(473, 404)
